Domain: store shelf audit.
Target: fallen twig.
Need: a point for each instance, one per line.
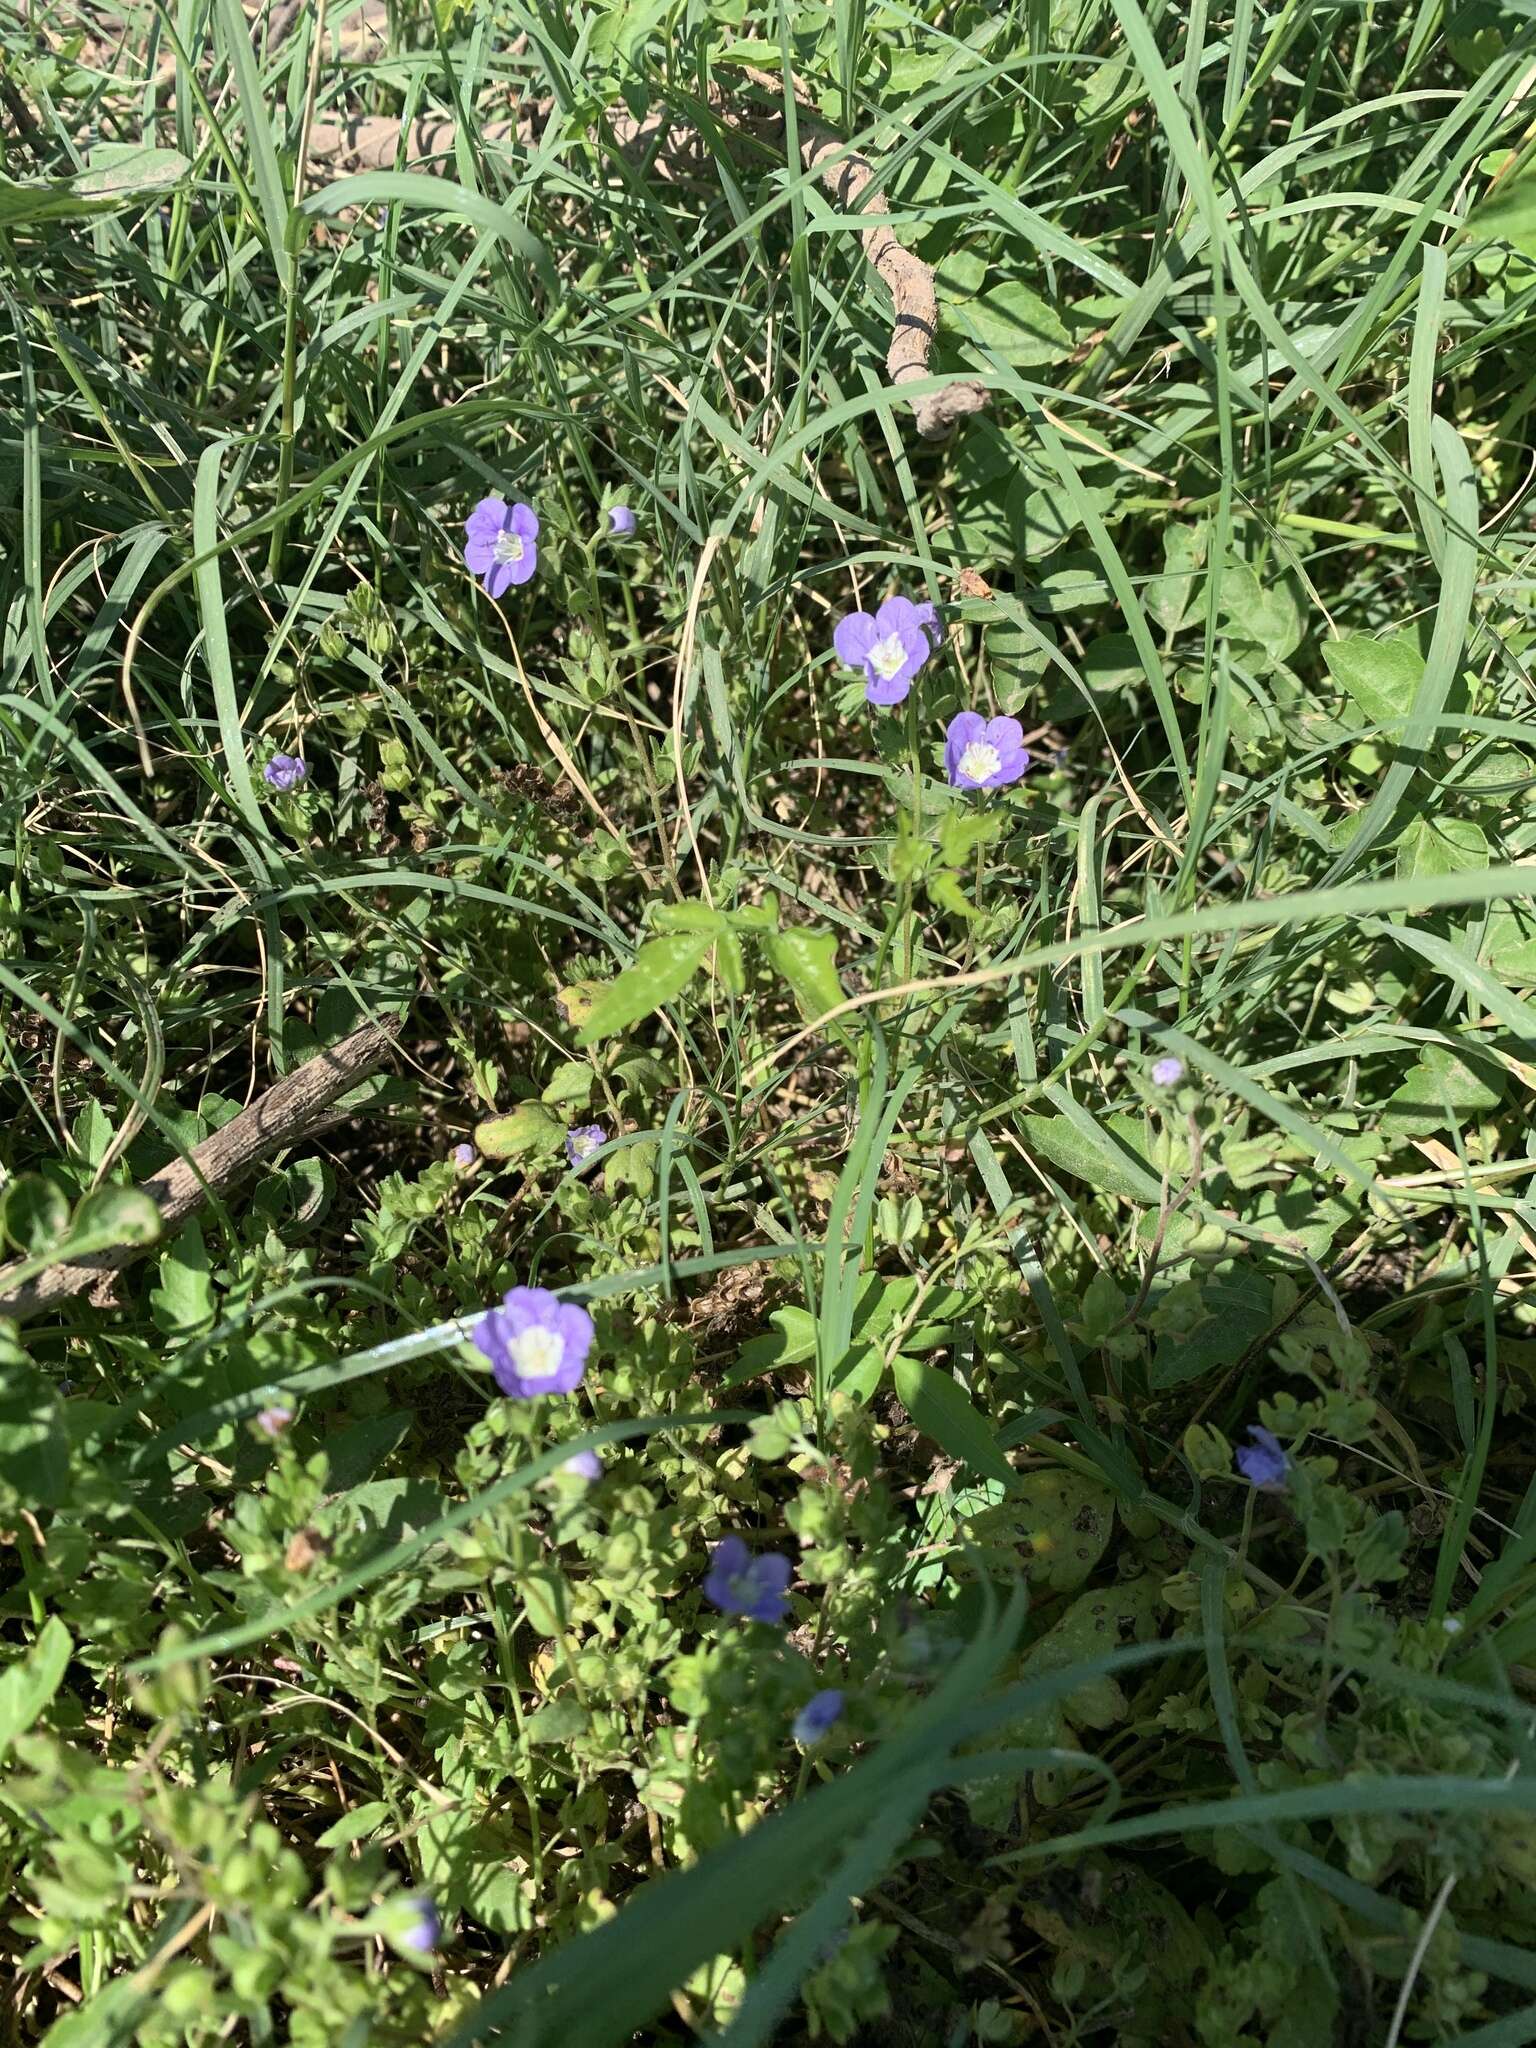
(848, 176)
(288, 1109)
(382, 142)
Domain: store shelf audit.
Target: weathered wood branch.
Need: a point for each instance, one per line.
(289, 1110)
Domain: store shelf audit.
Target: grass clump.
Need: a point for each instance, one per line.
(844, 1351)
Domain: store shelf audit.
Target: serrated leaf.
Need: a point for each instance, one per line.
(662, 969)
(1442, 846)
(1444, 1086)
(183, 1301)
(1234, 1313)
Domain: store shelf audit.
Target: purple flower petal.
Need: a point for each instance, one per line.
(891, 689)
(898, 615)
(487, 519)
(823, 1710)
(1264, 1462)
(581, 1141)
(524, 522)
(480, 553)
(500, 577)
(984, 754)
(536, 1343)
(852, 638)
(753, 1587)
(520, 571)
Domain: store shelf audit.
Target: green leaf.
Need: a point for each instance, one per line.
(561, 1721)
(34, 1215)
(1511, 946)
(789, 1340)
(363, 1820)
(619, 33)
(1444, 1087)
(183, 1301)
(116, 174)
(1014, 321)
(807, 960)
(1441, 846)
(1233, 1313)
(1382, 676)
(1267, 617)
(28, 1685)
(1102, 1159)
(34, 1450)
(1171, 597)
(112, 1217)
(528, 1132)
(569, 1086)
(1056, 1528)
(1508, 212)
(662, 969)
(942, 1409)
(108, 2019)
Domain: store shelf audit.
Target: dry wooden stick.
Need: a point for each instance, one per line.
(374, 142)
(289, 1109)
(847, 176)
(377, 142)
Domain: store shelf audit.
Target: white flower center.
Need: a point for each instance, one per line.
(585, 1146)
(887, 656)
(509, 547)
(979, 761)
(537, 1353)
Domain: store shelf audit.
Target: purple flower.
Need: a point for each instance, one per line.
(536, 1343)
(1169, 1072)
(274, 1420)
(284, 771)
(823, 1710)
(1264, 1462)
(581, 1141)
(984, 753)
(739, 1583)
(500, 547)
(890, 647)
(621, 521)
(423, 1930)
(464, 1157)
(584, 1465)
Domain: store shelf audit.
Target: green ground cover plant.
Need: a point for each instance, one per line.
(768, 1018)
